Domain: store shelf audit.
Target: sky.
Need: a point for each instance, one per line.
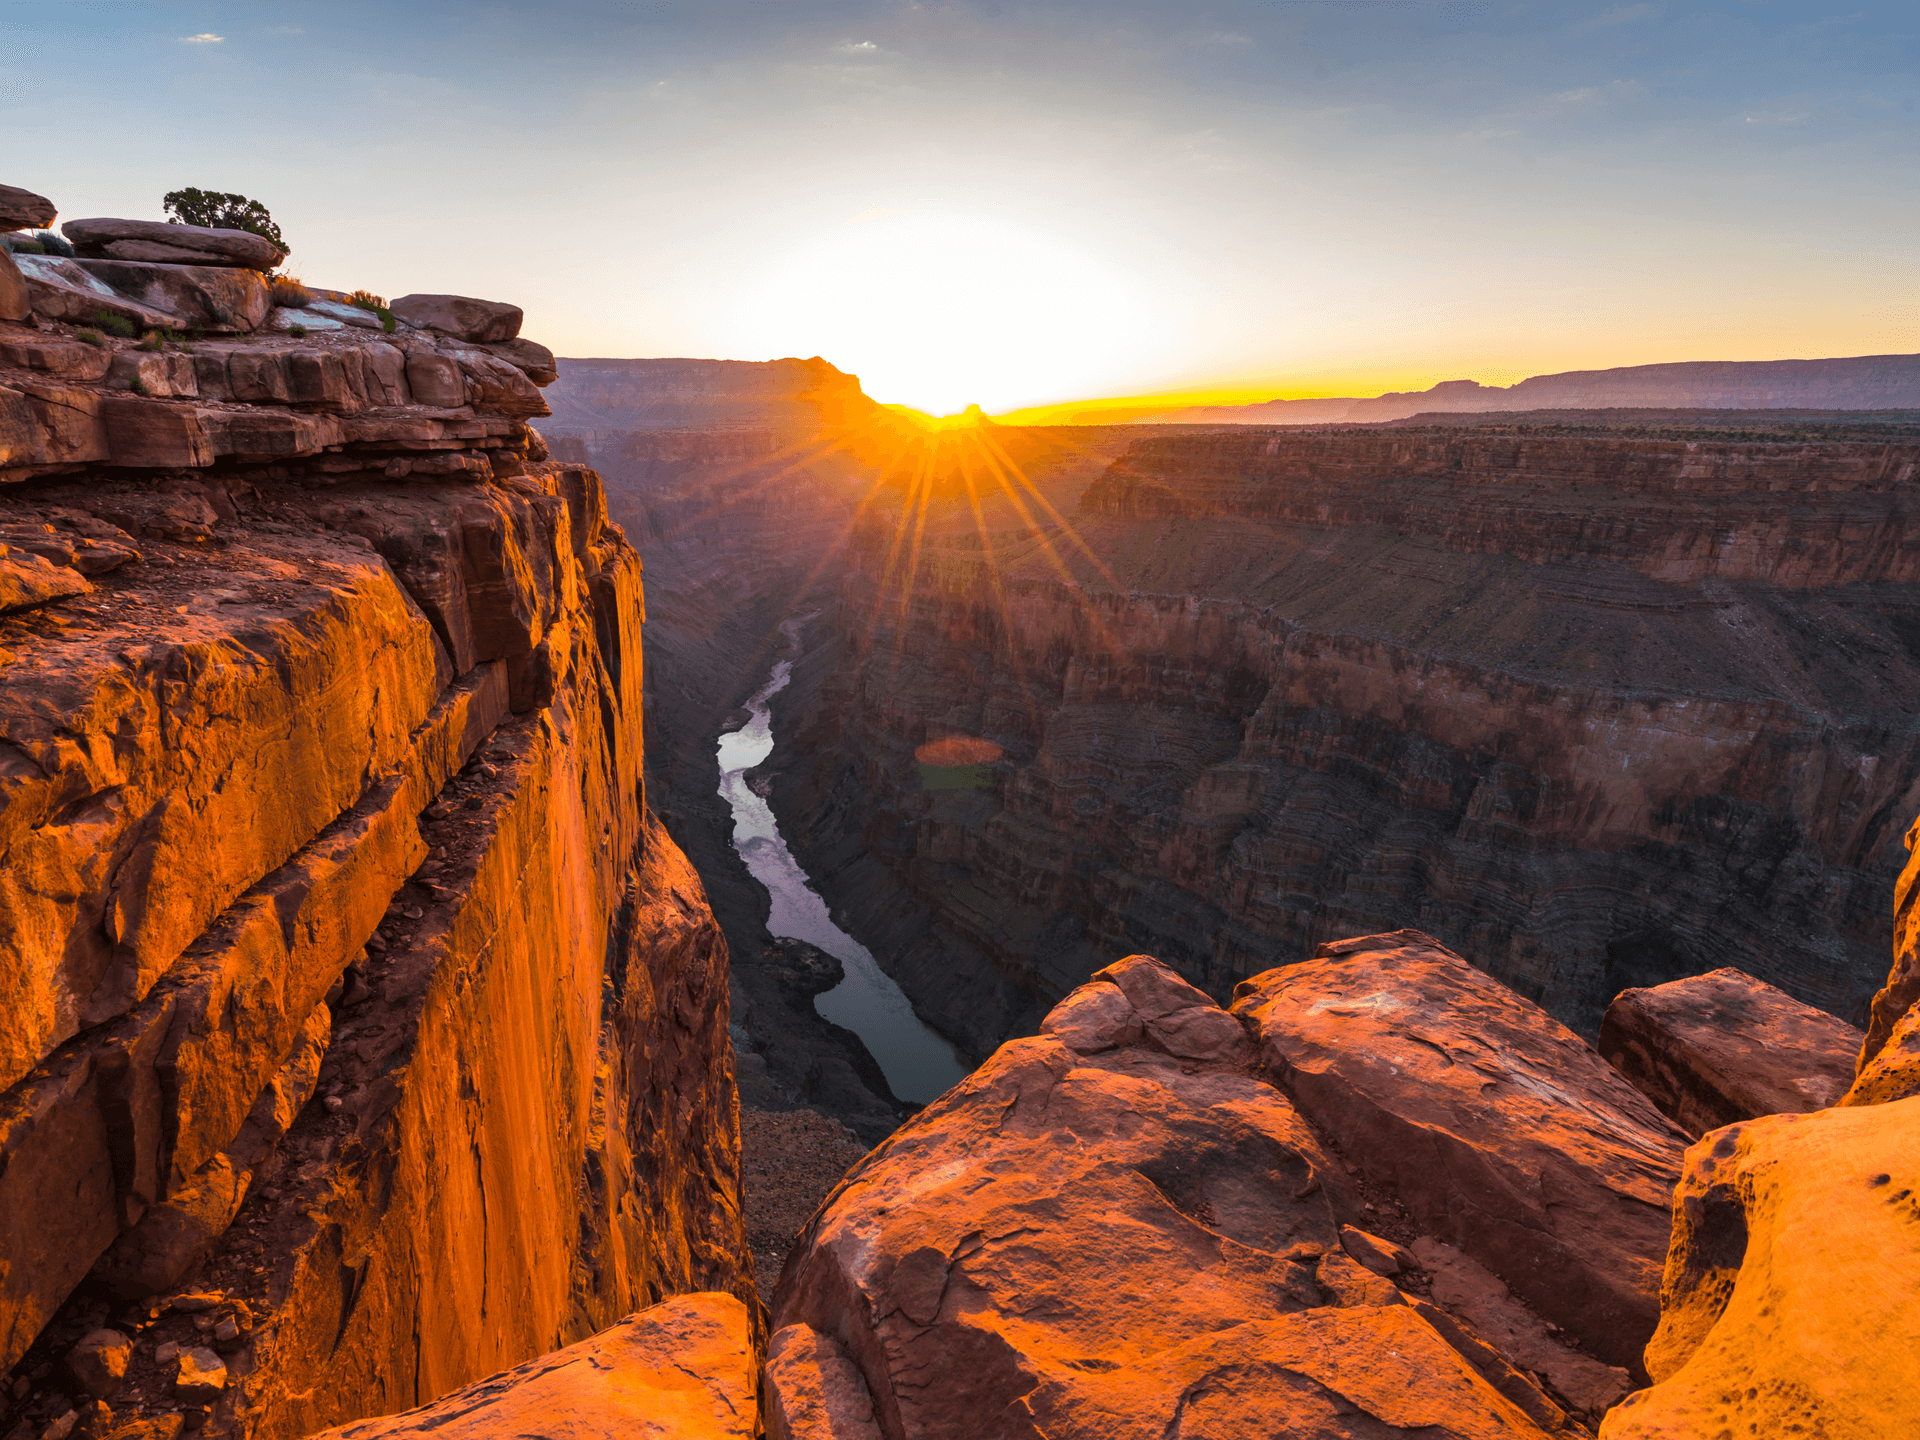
(1013, 204)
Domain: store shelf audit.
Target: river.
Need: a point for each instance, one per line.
(919, 1065)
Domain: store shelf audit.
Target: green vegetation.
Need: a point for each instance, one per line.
(23, 247)
(139, 386)
(114, 324)
(299, 332)
(217, 210)
(52, 244)
(91, 337)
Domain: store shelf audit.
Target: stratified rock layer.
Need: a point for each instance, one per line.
(1116, 1228)
(1501, 1131)
(682, 1370)
(1601, 711)
(1713, 1049)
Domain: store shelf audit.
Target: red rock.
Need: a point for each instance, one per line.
(534, 359)
(1097, 1237)
(24, 210)
(65, 290)
(16, 301)
(1497, 1128)
(200, 1376)
(151, 434)
(1717, 1048)
(27, 579)
(1382, 1257)
(195, 244)
(98, 1363)
(1792, 1289)
(1900, 995)
(461, 316)
(70, 359)
(435, 380)
(682, 1370)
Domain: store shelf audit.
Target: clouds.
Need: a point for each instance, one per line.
(202, 39)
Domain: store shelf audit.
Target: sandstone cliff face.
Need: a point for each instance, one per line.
(367, 1033)
(1604, 713)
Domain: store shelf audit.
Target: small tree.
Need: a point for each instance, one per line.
(216, 211)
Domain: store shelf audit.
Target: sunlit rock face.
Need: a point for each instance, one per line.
(1139, 1222)
(365, 1032)
(1599, 711)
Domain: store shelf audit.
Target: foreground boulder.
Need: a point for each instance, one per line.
(1500, 1130)
(1713, 1049)
(1889, 1067)
(683, 1369)
(1114, 1229)
(1792, 1292)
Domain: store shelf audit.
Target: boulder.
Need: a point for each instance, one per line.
(1716, 1048)
(682, 1370)
(200, 1375)
(27, 579)
(1498, 1129)
(98, 1363)
(16, 301)
(503, 390)
(153, 373)
(464, 318)
(187, 244)
(24, 210)
(534, 360)
(1792, 1289)
(1111, 1229)
(152, 434)
(1381, 1256)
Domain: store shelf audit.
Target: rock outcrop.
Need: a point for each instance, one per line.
(1123, 1227)
(24, 210)
(1501, 1132)
(165, 243)
(682, 1370)
(1792, 1289)
(366, 1033)
(1714, 1049)
(1600, 712)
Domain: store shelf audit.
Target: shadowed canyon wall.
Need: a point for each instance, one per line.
(1599, 712)
(363, 1023)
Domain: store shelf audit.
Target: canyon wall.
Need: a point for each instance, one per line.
(1599, 712)
(366, 1033)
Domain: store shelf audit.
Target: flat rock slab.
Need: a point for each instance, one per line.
(1792, 1290)
(24, 210)
(462, 316)
(1500, 1130)
(1716, 1048)
(1111, 1229)
(683, 1369)
(133, 239)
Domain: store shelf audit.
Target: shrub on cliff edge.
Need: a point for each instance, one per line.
(218, 210)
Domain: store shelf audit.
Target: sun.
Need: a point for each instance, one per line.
(939, 311)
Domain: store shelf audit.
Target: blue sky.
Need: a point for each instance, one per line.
(1015, 203)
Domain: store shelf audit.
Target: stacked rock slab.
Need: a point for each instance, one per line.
(1123, 1227)
(1713, 1049)
(365, 1034)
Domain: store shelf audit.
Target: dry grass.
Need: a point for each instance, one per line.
(289, 292)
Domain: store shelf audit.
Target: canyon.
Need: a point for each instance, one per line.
(1601, 710)
(1269, 814)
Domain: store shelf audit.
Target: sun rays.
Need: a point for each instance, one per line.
(934, 502)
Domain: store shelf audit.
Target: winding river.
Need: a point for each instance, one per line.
(918, 1064)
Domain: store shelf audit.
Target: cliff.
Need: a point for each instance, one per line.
(366, 1032)
(1600, 711)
